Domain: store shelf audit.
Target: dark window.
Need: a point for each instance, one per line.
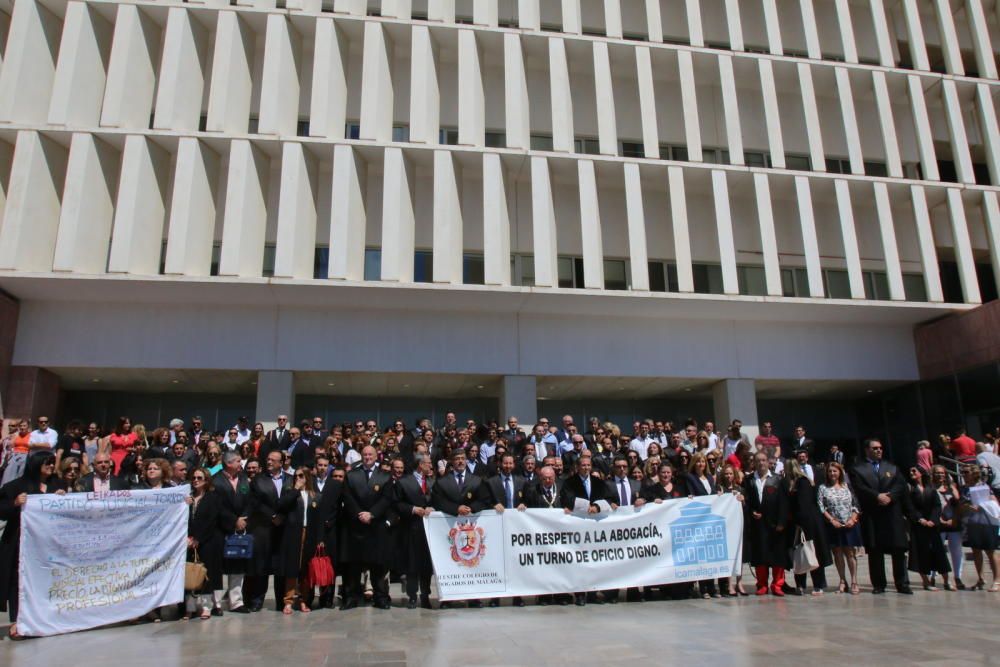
(496, 140)
(423, 266)
(302, 128)
(321, 262)
(632, 149)
(541, 142)
(946, 169)
(473, 270)
(657, 277)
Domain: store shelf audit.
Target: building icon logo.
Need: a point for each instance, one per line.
(698, 537)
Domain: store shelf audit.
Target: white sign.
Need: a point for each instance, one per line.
(542, 551)
(89, 560)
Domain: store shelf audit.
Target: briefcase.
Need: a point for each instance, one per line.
(238, 546)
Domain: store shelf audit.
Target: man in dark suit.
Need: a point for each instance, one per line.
(513, 434)
(544, 494)
(505, 491)
(457, 494)
(300, 449)
(584, 486)
(413, 503)
(330, 491)
(101, 480)
(277, 439)
(835, 456)
(882, 492)
(233, 489)
(365, 539)
(625, 490)
(318, 431)
(800, 441)
(266, 526)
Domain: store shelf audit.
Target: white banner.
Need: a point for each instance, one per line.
(540, 551)
(89, 560)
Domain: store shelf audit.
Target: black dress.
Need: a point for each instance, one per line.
(927, 553)
(203, 526)
(297, 549)
(806, 515)
(10, 542)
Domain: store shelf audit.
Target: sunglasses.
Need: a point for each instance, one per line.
(199, 478)
(300, 476)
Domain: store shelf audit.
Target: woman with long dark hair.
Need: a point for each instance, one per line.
(39, 477)
(122, 441)
(298, 541)
(205, 542)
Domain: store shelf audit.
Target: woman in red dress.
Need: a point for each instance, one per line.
(122, 441)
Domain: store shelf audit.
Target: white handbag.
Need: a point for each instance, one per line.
(803, 554)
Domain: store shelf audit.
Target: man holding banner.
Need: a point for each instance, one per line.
(580, 490)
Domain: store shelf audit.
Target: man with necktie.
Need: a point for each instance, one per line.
(413, 503)
(457, 494)
(365, 544)
(626, 492)
(583, 485)
(505, 491)
(881, 492)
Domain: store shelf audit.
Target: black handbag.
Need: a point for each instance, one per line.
(238, 546)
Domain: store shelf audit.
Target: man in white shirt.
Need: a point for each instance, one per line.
(640, 444)
(43, 437)
(802, 456)
(541, 439)
(713, 437)
(242, 430)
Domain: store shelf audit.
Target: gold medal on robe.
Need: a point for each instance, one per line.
(314, 504)
(376, 487)
(469, 496)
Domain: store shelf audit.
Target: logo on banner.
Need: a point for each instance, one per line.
(468, 543)
(698, 537)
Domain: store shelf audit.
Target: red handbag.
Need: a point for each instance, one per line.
(321, 568)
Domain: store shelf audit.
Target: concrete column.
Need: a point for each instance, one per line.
(232, 68)
(724, 227)
(635, 212)
(696, 33)
(29, 64)
(33, 392)
(182, 73)
(297, 213)
(613, 18)
(925, 239)
(376, 85)
(949, 37)
(279, 87)
(275, 396)
(887, 123)
(734, 24)
(472, 100)
(191, 229)
(515, 94)
(736, 399)
(328, 102)
(849, 234)
(88, 206)
(519, 398)
(734, 134)
(925, 138)
(398, 219)
(918, 47)
(847, 42)
(348, 216)
(814, 132)
(496, 222)
(590, 226)
(887, 229)
(78, 85)
(245, 217)
(563, 134)
(137, 237)
(850, 119)
(425, 97)
(572, 22)
(9, 311)
(654, 22)
(810, 243)
(772, 113)
(447, 219)
(441, 10)
(988, 126)
(882, 37)
(768, 238)
(956, 130)
(131, 82)
(689, 103)
(350, 7)
(529, 15)
(31, 215)
(397, 9)
(808, 12)
(963, 247)
(485, 13)
(773, 27)
(679, 224)
(985, 60)
(647, 103)
(543, 225)
(607, 126)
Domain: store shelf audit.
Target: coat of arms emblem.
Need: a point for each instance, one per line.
(468, 543)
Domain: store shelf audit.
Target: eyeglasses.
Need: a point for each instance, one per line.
(198, 478)
(299, 475)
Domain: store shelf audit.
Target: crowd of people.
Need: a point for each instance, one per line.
(358, 493)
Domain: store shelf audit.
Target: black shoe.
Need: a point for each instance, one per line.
(445, 605)
(475, 604)
(518, 602)
(904, 590)
(383, 604)
(216, 612)
(581, 601)
(256, 607)
(563, 602)
(794, 591)
(411, 603)
(242, 609)
(425, 602)
(612, 600)
(543, 601)
(495, 602)
(878, 591)
(349, 604)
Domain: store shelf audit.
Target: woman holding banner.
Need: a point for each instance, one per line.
(39, 477)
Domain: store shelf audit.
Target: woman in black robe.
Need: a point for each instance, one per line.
(303, 526)
(927, 552)
(39, 477)
(806, 516)
(205, 542)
